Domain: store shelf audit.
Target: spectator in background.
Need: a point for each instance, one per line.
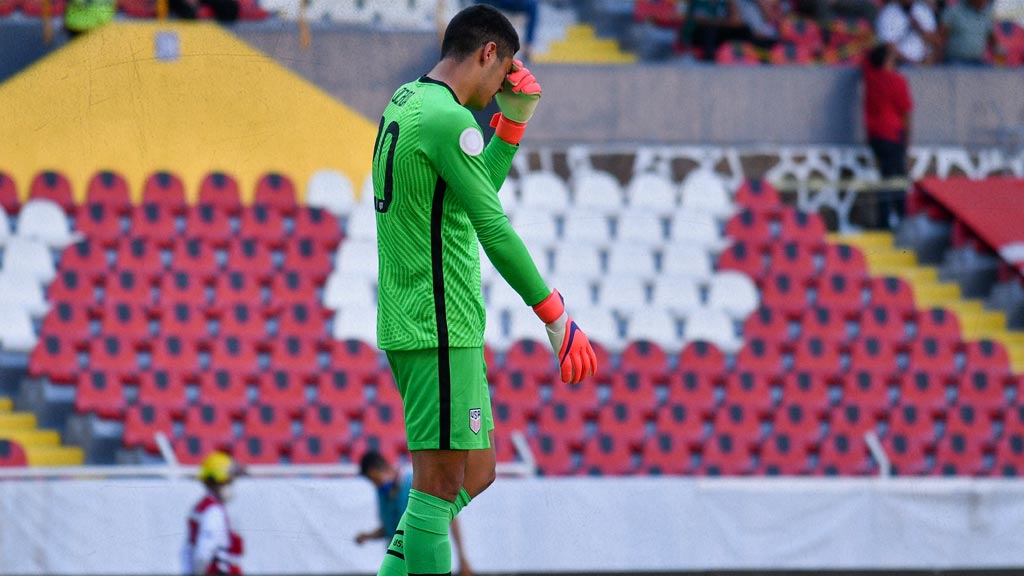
(393, 487)
(711, 23)
(223, 10)
(81, 16)
(525, 7)
(967, 29)
(910, 26)
(887, 112)
(212, 546)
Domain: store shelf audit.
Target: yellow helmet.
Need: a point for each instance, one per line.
(217, 467)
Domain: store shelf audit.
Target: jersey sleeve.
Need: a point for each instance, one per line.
(453, 142)
(498, 158)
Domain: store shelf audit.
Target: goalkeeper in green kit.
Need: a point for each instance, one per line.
(435, 188)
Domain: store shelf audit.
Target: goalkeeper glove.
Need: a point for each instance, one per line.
(575, 355)
(517, 100)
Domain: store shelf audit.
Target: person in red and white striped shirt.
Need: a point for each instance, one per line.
(212, 546)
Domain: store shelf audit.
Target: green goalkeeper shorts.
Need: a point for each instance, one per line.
(445, 396)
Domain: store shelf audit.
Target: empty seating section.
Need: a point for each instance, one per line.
(734, 338)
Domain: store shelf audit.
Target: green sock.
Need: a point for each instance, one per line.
(461, 501)
(427, 547)
(394, 560)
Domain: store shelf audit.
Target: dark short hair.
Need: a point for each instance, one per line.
(878, 55)
(475, 26)
(371, 461)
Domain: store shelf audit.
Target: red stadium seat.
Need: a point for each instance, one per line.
(101, 394)
(294, 287)
(53, 186)
(234, 353)
(306, 256)
(175, 353)
(685, 424)
(313, 449)
(873, 355)
(623, 421)
(843, 31)
(726, 455)
(225, 390)
(236, 287)
(702, 357)
(276, 192)
(750, 389)
(86, 256)
(139, 256)
(607, 455)
(563, 421)
(738, 420)
(163, 389)
(509, 417)
(846, 260)
(983, 390)
(987, 355)
(893, 293)
(70, 321)
(785, 295)
(100, 224)
(179, 286)
(249, 450)
(970, 422)
(782, 455)
(354, 356)
(843, 454)
(694, 390)
(220, 190)
(269, 422)
(907, 455)
(959, 455)
(263, 224)
(665, 454)
(295, 355)
(129, 321)
(530, 357)
(341, 388)
(765, 324)
(110, 190)
(284, 390)
(129, 287)
(939, 324)
(758, 195)
(803, 32)
(191, 449)
(925, 391)
(932, 355)
(792, 259)
(802, 227)
(113, 355)
(841, 294)
(12, 454)
(326, 421)
(635, 390)
(646, 359)
(55, 358)
(916, 425)
(142, 422)
(800, 423)
(305, 320)
(583, 396)
(155, 223)
(823, 324)
(9, 199)
(737, 53)
(553, 455)
(750, 226)
(791, 53)
(34, 8)
(883, 324)
(209, 224)
(867, 390)
(184, 320)
(242, 320)
(743, 257)
(210, 422)
(166, 190)
(807, 390)
(391, 447)
(819, 357)
(319, 225)
(1009, 453)
(384, 422)
(252, 257)
(759, 356)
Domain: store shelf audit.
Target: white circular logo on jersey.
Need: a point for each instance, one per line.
(471, 141)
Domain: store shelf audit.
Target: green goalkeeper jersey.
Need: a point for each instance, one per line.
(435, 192)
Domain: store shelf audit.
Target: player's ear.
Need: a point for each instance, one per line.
(489, 52)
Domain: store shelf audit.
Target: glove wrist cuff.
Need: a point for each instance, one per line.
(508, 130)
(551, 308)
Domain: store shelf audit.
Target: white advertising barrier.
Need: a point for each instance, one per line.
(306, 526)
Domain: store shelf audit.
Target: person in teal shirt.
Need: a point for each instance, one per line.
(393, 485)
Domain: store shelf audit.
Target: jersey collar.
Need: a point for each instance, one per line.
(428, 80)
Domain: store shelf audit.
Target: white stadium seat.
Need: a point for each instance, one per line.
(5, 226)
(45, 221)
(597, 191)
(22, 291)
(356, 324)
(586, 226)
(332, 191)
(625, 295)
(577, 290)
(653, 193)
(342, 292)
(578, 260)
(700, 228)
(655, 325)
(535, 227)
(600, 326)
(29, 257)
(16, 333)
(640, 227)
(687, 260)
(704, 191)
(523, 324)
(356, 259)
(543, 190)
(712, 326)
(631, 260)
(733, 293)
(361, 223)
(677, 294)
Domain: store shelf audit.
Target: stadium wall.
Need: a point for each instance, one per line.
(571, 525)
(645, 103)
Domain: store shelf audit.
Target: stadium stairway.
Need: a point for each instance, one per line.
(42, 447)
(582, 46)
(885, 258)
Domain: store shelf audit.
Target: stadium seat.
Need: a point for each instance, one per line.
(341, 388)
(873, 355)
(665, 454)
(686, 414)
(804, 424)
(817, 356)
(806, 389)
(750, 389)
(361, 224)
(86, 257)
(783, 455)
(162, 389)
(140, 257)
(191, 449)
(768, 325)
(209, 422)
(931, 355)
(893, 293)
(21, 292)
(221, 191)
(518, 389)
(960, 455)
(843, 454)
(327, 421)
(841, 294)
(607, 455)
(655, 326)
(196, 256)
(109, 189)
(509, 417)
(823, 324)
(758, 195)
(530, 357)
(867, 390)
(733, 293)
(750, 227)
(16, 331)
(250, 449)
(635, 261)
(971, 422)
(354, 356)
(882, 324)
(726, 455)
(639, 228)
(237, 287)
(553, 455)
(1008, 458)
(295, 355)
(166, 190)
(224, 389)
(179, 286)
(174, 353)
(99, 224)
(704, 191)
(802, 227)
(100, 393)
(29, 258)
(307, 257)
(596, 190)
(277, 192)
(543, 191)
(694, 390)
(702, 358)
(584, 396)
(745, 258)
(646, 359)
(235, 353)
(268, 422)
(846, 260)
(581, 261)
(68, 319)
(586, 226)
(252, 257)
(12, 454)
(924, 390)
(685, 261)
(9, 199)
(792, 259)
(987, 355)
(785, 294)
(53, 186)
(384, 422)
(652, 194)
(633, 390)
(142, 422)
(939, 324)
(916, 424)
(154, 223)
(712, 326)
(983, 390)
(125, 320)
(788, 53)
(319, 225)
(314, 449)
(737, 53)
(305, 321)
(699, 229)
(5, 226)
(46, 222)
(331, 191)
(759, 356)
(341, 292)
(55, 358)
(113, 355)
(210, 224)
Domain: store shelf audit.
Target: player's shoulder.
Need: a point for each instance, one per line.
(440, 105)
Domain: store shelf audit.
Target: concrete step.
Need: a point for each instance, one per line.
(17, 420)
(32, 437)
(6, 404)
(866, 241)
(929, 294)
(913, 275)
(980, 322)
(54, 456)
(890, 258)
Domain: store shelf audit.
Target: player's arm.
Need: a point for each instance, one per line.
(498, 159)
(371, 535)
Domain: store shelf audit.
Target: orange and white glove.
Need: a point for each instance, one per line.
(575, 355)
(517, 99)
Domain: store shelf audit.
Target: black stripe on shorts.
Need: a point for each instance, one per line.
(444, 381)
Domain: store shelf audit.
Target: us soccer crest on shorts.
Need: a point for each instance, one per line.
(475, 419)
